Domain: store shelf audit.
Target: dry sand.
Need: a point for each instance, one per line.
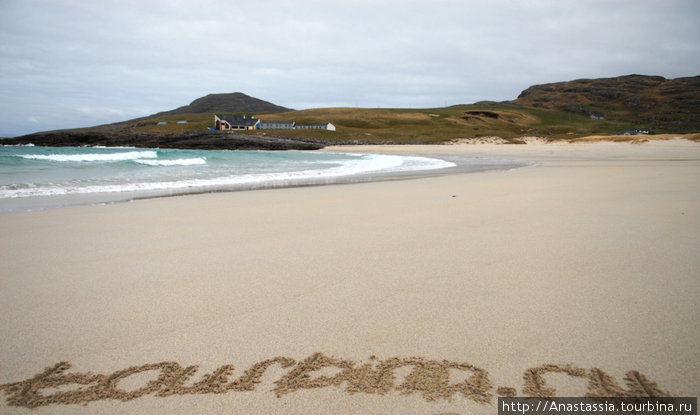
(434, 295)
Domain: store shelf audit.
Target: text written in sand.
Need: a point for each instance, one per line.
(429, 378)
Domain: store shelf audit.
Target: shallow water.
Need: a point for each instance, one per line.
(40, 177)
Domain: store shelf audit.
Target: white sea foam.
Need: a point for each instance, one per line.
(176, 162)
(412, 163)
(111, 147)
(369, 163)
(129, 155)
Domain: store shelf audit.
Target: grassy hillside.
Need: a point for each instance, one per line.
(410, 125)
(194, 122)
(441, 124)
(563, 110)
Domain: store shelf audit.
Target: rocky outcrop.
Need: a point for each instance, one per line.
(210, 140)
(651, 101)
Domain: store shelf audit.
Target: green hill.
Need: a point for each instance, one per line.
(562, 110)
(432, 125)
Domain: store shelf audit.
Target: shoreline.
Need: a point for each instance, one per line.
(462, 153)
(578, 273)
(462, 164)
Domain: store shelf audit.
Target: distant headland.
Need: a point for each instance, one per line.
(631, 104)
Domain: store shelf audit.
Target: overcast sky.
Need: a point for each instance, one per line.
(75, 63)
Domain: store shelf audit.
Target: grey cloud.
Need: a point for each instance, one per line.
(74, 63)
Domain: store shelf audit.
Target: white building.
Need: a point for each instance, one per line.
(315, 126)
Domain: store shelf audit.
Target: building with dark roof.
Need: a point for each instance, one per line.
(236, 122)
(244, 122)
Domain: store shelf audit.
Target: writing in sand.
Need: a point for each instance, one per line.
(430, 378)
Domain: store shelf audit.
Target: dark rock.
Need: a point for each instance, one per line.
(210, 140)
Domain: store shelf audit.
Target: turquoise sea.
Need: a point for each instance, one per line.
(39, 177)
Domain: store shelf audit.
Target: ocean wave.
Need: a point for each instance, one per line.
(366, 164)
(109, 147)
(319, 172)
(129, 155)
(176, 162)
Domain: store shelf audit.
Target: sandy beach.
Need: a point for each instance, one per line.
(436, 295)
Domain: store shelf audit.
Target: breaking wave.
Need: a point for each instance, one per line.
(177, 162)
(222, 176)
(129, 155)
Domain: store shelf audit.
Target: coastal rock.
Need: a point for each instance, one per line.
(211, 140)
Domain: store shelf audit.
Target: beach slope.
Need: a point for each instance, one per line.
(430, 295)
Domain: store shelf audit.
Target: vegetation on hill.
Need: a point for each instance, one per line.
(432, 125)
(442, 124)
(653, 102)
